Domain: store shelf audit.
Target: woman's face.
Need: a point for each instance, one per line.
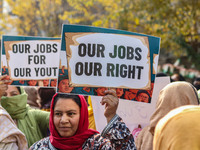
(66, 117)
(143, 97)
(45, 82)
(64, 86)
(32, 82)
(119, 92)
(87, 89)
(11, 91)
(54, 83)
(100, 91)
(129, 95)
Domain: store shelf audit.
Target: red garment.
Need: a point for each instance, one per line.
(74, 142)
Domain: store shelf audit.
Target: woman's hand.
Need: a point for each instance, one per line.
(111, 102)
(3, 85)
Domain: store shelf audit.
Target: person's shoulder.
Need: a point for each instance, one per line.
(43, 143)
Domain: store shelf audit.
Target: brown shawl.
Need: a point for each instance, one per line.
(174, 95)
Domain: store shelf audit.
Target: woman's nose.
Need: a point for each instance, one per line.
(64, 119)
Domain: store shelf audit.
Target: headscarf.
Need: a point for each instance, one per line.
(33, 97)
(179, 129)
(91, 114)
(82, 134)
(16, 105)
(10, 135)
(173, 95)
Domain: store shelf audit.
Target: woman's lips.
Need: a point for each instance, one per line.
(65, 128)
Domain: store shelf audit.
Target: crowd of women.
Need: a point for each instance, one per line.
(61, 121)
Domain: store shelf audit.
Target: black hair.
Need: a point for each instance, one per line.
(196, 83)
(179, 76)
(46, 95)
(197, 86)
(18, 88)
(161, 74)
(75, 98)
(197, 79)
(63, 77)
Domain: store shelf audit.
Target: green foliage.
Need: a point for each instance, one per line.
(175, 21)
(34, 17)
(179, 30)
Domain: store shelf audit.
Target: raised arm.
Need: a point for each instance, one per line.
(116, 130)
(3, 85)
(111, 101)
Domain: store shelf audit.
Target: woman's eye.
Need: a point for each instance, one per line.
(58, 114)
(14, 93)
(71, 114)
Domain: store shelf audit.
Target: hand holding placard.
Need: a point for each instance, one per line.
(111, 101)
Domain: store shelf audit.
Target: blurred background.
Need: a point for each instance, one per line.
(176, 22)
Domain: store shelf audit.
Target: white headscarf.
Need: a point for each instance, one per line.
(11, 138)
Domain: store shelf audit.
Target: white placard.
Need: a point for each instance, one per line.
(109, 60)
(29, 60)
(133, 113)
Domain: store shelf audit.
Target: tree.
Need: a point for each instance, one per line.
(175, 21)
(35, 17)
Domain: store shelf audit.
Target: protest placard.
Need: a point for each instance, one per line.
(132, 113)
(99, 58)
(114, 60)
(32, 61)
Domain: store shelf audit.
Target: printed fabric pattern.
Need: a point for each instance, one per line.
(118, 137)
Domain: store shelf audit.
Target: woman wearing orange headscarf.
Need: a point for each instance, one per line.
(178, 130)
